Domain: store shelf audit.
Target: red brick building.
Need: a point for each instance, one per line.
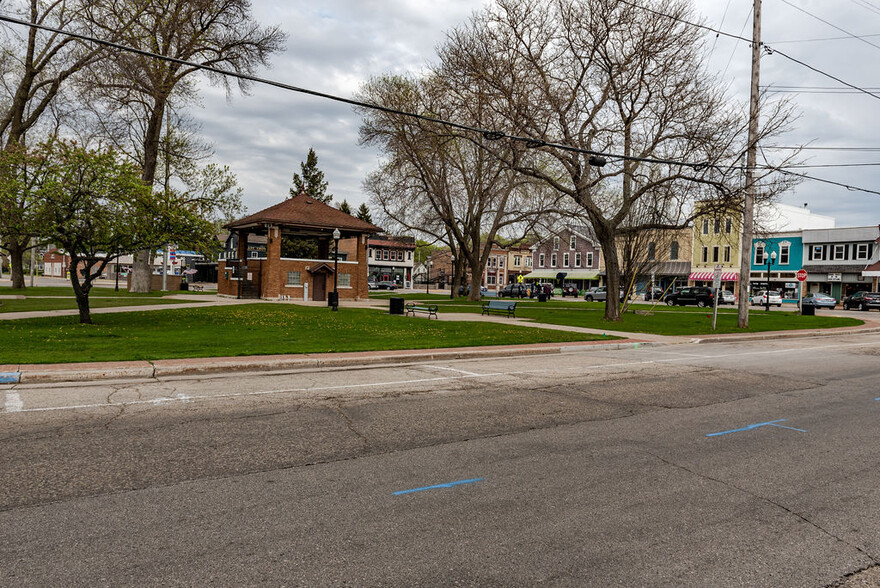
(297, 260)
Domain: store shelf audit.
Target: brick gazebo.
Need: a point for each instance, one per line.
(297, 260)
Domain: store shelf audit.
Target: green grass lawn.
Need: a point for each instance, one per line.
(663, 320)
(247, 330)
(62, 298)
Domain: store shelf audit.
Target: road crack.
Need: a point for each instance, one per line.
(349, 423)
(769, 501)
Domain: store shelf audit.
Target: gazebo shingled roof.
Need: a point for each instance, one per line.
(305, 212)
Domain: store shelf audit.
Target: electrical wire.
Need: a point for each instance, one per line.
(488, 134)
(832, 25)
(597, 158)
(767, 48)
(824, 181)
(818, 40)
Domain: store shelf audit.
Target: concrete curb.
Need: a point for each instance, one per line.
(734, 338)
(131, 370)
(61, 373)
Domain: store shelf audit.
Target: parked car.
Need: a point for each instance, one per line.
(699, 295)
(655, 294)
(599, 294)
(819, 300)
(569, 290)
(386, 285)
(726, 297)
(372, 285)
(760, 299)
(513, 291)
(862, 301)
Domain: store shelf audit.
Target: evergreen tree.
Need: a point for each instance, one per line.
(363, 213)
(312, 180)
(344, 207)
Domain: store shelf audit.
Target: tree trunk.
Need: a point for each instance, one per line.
(16, 263)
(142, 272)
(142, 268)
(605, 237)
(81, 291)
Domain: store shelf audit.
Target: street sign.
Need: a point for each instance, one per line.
(716, 280)
(801, 275)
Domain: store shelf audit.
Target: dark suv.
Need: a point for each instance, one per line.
(570, 290)
(862, 301)
(699, 295)
(513, 291)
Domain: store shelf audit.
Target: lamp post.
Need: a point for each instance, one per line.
(336, 236)
(428, 267)
(770, 259)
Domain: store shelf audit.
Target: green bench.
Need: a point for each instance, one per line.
(429, 309)
(500, 306)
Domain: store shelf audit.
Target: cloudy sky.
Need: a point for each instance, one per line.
(335, 45)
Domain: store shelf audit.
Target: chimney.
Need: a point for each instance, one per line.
(805, 204)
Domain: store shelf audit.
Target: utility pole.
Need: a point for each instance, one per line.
(167, 183)
(33, 259)
(748, 224)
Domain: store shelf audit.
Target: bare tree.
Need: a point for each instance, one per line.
(136, 88)
(441, 182)
(581, 77)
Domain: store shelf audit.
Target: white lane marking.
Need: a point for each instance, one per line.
(466, 375)
(440, 367)
(13, 402)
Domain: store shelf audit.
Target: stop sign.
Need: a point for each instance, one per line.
(801, 275)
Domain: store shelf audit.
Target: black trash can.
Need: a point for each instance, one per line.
(542, 297)
(333, 299)
(184, 286)
(808, 309)
(395, 305)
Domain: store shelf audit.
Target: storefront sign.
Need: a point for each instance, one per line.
(834, 277)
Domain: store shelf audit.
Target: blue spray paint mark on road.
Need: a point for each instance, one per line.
(10, 377)
(438, 486)
(755, 426)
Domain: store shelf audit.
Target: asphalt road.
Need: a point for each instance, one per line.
(750, 464)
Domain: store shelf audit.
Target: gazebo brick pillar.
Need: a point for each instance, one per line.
(273, 277)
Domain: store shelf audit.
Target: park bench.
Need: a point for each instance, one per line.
(429, 309)
(504, 306)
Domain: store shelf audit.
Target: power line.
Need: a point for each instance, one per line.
(821, 39)
(796, 148)
(832, 25)
(824, 181)
(867, 4)
(826, 165)
(769, 50)
(488, 134)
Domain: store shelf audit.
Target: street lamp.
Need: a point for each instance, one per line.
(336, 236)
(428, 267)
(770, 259)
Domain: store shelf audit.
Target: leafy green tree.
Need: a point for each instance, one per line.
(97, 208)
(363, 213)
(312, 180)
(344, 207)
(21, 210)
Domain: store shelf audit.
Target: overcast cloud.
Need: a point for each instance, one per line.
(336, 45)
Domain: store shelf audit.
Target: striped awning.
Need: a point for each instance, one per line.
(571, 274)
(706, 276)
